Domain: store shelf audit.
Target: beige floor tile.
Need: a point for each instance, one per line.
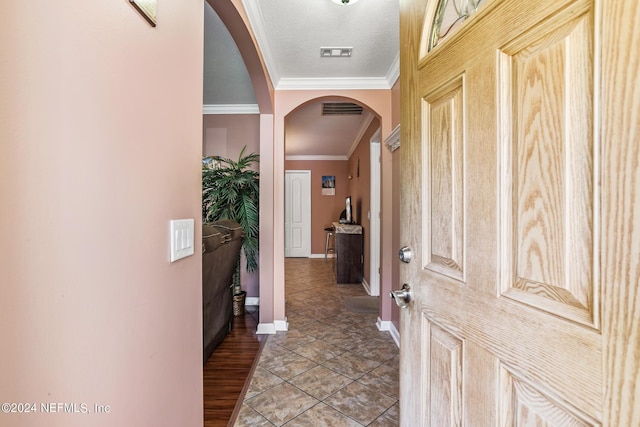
(389, 419)
(248, 417)
(337, 323)
(291, 339)
(272, 351)
(320, 382)
(360, 402)
(384, 379)
(319, 329)
(322, 415)
(394, 362)
(289, 365)
(376, 349)
(344, 340)
(319, 351)
(262, 380)
(270, 403)
(367, 328)
(351, 365)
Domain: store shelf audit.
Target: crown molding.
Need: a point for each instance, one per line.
(230, 109)
(314, 157)
(332, 83)
(394, 71)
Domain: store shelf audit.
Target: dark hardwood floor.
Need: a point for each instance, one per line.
(226, 371)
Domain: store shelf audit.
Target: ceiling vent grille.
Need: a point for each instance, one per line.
(341, 109)
(335, 52)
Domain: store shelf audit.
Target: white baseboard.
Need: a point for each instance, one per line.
(272, 328)
(266, 329)
(252, 301)
(322, 256)
(366, 286)
(281, 325)
(386, 325)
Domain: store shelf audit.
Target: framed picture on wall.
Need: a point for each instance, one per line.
(328, 185)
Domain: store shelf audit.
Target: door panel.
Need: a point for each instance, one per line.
(445, 388)
(298, 213)
(525, 405)
(445, 185)
(552, 172)
(502, 168)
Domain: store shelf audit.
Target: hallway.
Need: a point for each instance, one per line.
(331, 368)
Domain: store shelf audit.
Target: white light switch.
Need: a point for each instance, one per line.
(181, 238)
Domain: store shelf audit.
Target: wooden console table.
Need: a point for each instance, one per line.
(349, 253)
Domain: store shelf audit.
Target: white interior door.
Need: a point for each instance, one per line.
(374, 217)
(520, 189)
(298, 214)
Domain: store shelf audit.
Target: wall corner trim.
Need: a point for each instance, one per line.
(387, 325)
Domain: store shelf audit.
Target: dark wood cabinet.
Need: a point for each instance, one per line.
(349, 258)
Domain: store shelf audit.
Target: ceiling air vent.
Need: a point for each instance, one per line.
(341, 109)
(335, 52)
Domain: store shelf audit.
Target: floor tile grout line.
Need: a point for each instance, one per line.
(396, 400)
(305, 309)
(335, 409)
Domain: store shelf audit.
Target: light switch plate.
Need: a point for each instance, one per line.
(181, 238)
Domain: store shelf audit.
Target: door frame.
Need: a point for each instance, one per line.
(374, 215)
(306, 215)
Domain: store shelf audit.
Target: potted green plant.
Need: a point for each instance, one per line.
(231, 190)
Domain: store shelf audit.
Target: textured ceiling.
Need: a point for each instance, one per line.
(290, 34)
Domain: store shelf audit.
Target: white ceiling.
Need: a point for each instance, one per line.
(290, 34)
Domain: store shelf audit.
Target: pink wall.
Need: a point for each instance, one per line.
(101, 143)
(239, 130)
(267, 226)
(360, 190)
(324, 209)
(395, 103)
(225, 135)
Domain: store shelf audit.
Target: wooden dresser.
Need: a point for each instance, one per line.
(349, 253)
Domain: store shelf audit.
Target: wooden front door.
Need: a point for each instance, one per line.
(520, 142)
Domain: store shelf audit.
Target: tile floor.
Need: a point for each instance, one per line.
(331, 368)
